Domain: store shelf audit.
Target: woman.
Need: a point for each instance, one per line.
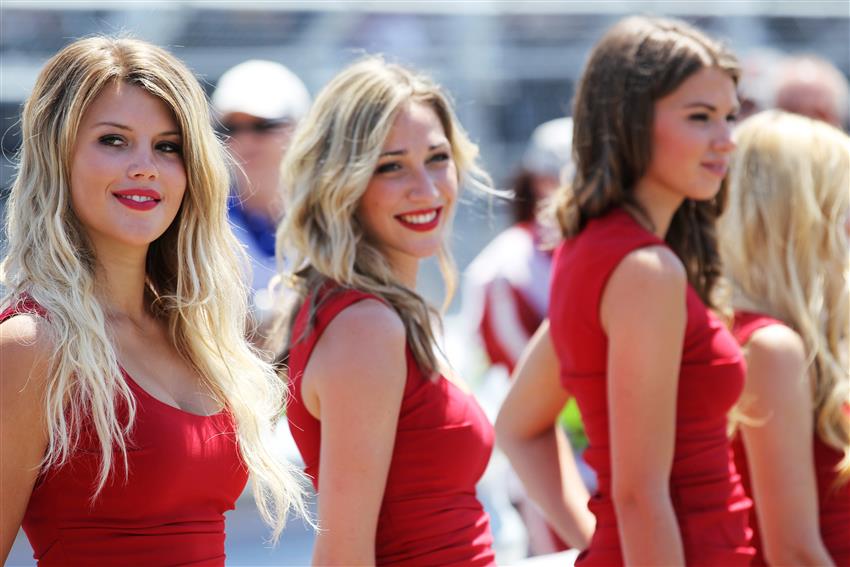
(393, 442)
(133, 409)
(784, 242)
(653, 370)
(506, 293)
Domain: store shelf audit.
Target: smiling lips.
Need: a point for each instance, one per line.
(138, 198)
(421, 221)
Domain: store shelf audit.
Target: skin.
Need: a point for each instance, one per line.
(354, 381)
(127, 138)
(779, 443)
(527, 433)
(691, 142)
(258, 155)
(24, 353)
(415, 172)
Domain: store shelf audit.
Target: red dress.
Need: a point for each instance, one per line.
(710, 504)
(833, 504)
(429, 514)
(184, 472)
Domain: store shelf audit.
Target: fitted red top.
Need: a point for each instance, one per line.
(710, 504)
(184, 471)
(429, 514)
(833, 501)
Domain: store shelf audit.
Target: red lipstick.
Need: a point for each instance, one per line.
(138, 198)
(424, 220)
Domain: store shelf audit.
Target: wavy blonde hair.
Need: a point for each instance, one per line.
(785, 248)
(194, 271)
(332, 157)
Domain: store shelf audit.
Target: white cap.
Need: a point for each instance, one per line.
(264, 89)
(550, 148)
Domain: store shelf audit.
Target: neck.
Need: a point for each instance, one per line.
(406, 272)
(120, 279)
(659, 206)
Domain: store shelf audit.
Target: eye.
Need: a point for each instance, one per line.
(169, 147)
(111, 140)
(732, 118)
(440, 157)
(699, 117)
(388, 167)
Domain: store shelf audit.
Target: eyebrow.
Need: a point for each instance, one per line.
(710, 107)
(402, 152)
(128, 129)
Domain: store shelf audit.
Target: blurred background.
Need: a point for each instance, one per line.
(509, 66)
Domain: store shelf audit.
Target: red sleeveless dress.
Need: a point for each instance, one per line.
(184, 471)
(430, 514)
(710, 504)
(833, 502)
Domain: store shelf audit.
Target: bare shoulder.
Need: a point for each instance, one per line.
(776, 350)
(368, 335)
(647, 285)
(651, 265)
(368, 318)
(25, 347)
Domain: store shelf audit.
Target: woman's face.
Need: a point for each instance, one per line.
(127, 171)
(691, 139)
(408, 202)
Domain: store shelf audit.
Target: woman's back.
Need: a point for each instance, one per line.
(710, 504)
(833, 502)
(429, 513)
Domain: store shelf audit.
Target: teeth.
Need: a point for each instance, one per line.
(419, 219)
(137, 198)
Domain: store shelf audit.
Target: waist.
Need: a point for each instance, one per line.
(434, 531)
(197, 543)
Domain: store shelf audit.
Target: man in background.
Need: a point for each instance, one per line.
(258, 103)
(813, 87)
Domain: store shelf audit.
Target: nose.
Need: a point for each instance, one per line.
(143, 165)
(424, 185)
(723, 140)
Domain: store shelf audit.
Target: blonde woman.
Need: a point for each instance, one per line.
(393, 442)
(133, 410)
(784, 241)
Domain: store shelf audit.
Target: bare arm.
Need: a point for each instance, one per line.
(23, 438)
(506, 327)
(777, 396)
(529, 435)
(355, 380)
(644, 315)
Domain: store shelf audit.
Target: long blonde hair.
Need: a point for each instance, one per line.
(194, 270)
(785, 248)
(332, 157)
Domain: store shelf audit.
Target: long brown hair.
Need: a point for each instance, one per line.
(638, 61)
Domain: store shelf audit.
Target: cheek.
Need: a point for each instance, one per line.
(449, 183)
(89, 179)
(677, 148)
(175, 176)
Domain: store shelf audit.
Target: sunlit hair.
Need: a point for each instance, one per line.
(332, 157)
(194, 270)
(785, 248)
(638, 61)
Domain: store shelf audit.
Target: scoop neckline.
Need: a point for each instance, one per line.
(136, 386)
